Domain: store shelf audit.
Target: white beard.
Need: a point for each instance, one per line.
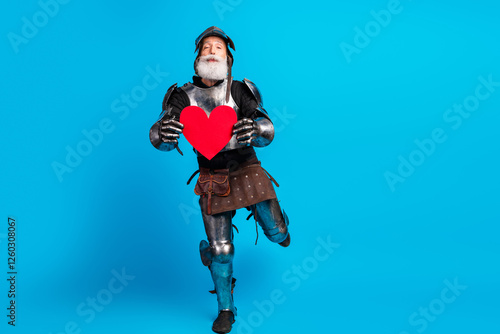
(211, 70)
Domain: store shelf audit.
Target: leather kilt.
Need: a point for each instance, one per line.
(226, 189)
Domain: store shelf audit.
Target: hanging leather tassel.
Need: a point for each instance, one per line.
(229, 77)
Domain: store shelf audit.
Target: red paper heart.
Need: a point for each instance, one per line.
(208, 135)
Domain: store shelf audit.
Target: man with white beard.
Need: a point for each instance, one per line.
(233, 178)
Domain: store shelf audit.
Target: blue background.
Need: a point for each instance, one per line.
(343, 122)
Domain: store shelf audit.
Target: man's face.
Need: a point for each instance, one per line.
(212, 61)
(213, 45)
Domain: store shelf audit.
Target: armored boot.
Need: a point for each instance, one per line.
(224, 322)
(221, 269)
(222, 277)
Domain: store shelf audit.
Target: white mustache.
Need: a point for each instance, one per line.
(211, 57)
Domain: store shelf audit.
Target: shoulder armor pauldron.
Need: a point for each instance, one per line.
(254, 90)
(165, 100)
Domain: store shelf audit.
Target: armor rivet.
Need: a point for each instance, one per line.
(248, 186)
(256, 174)
(260, 184)
(237, 188)
(240, 199)
(235, 178)
(246, 176)
(251, 196)
(262, 193)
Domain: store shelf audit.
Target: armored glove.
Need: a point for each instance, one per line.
(170, 130)
(258, 132)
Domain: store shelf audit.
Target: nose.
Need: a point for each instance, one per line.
(212, 49)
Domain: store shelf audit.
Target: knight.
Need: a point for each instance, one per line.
(234, 178)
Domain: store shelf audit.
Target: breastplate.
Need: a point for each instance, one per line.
(210, 98)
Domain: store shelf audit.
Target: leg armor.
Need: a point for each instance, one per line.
(274, 223)
(218, 254)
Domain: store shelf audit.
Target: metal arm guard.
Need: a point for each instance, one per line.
(264, 130)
